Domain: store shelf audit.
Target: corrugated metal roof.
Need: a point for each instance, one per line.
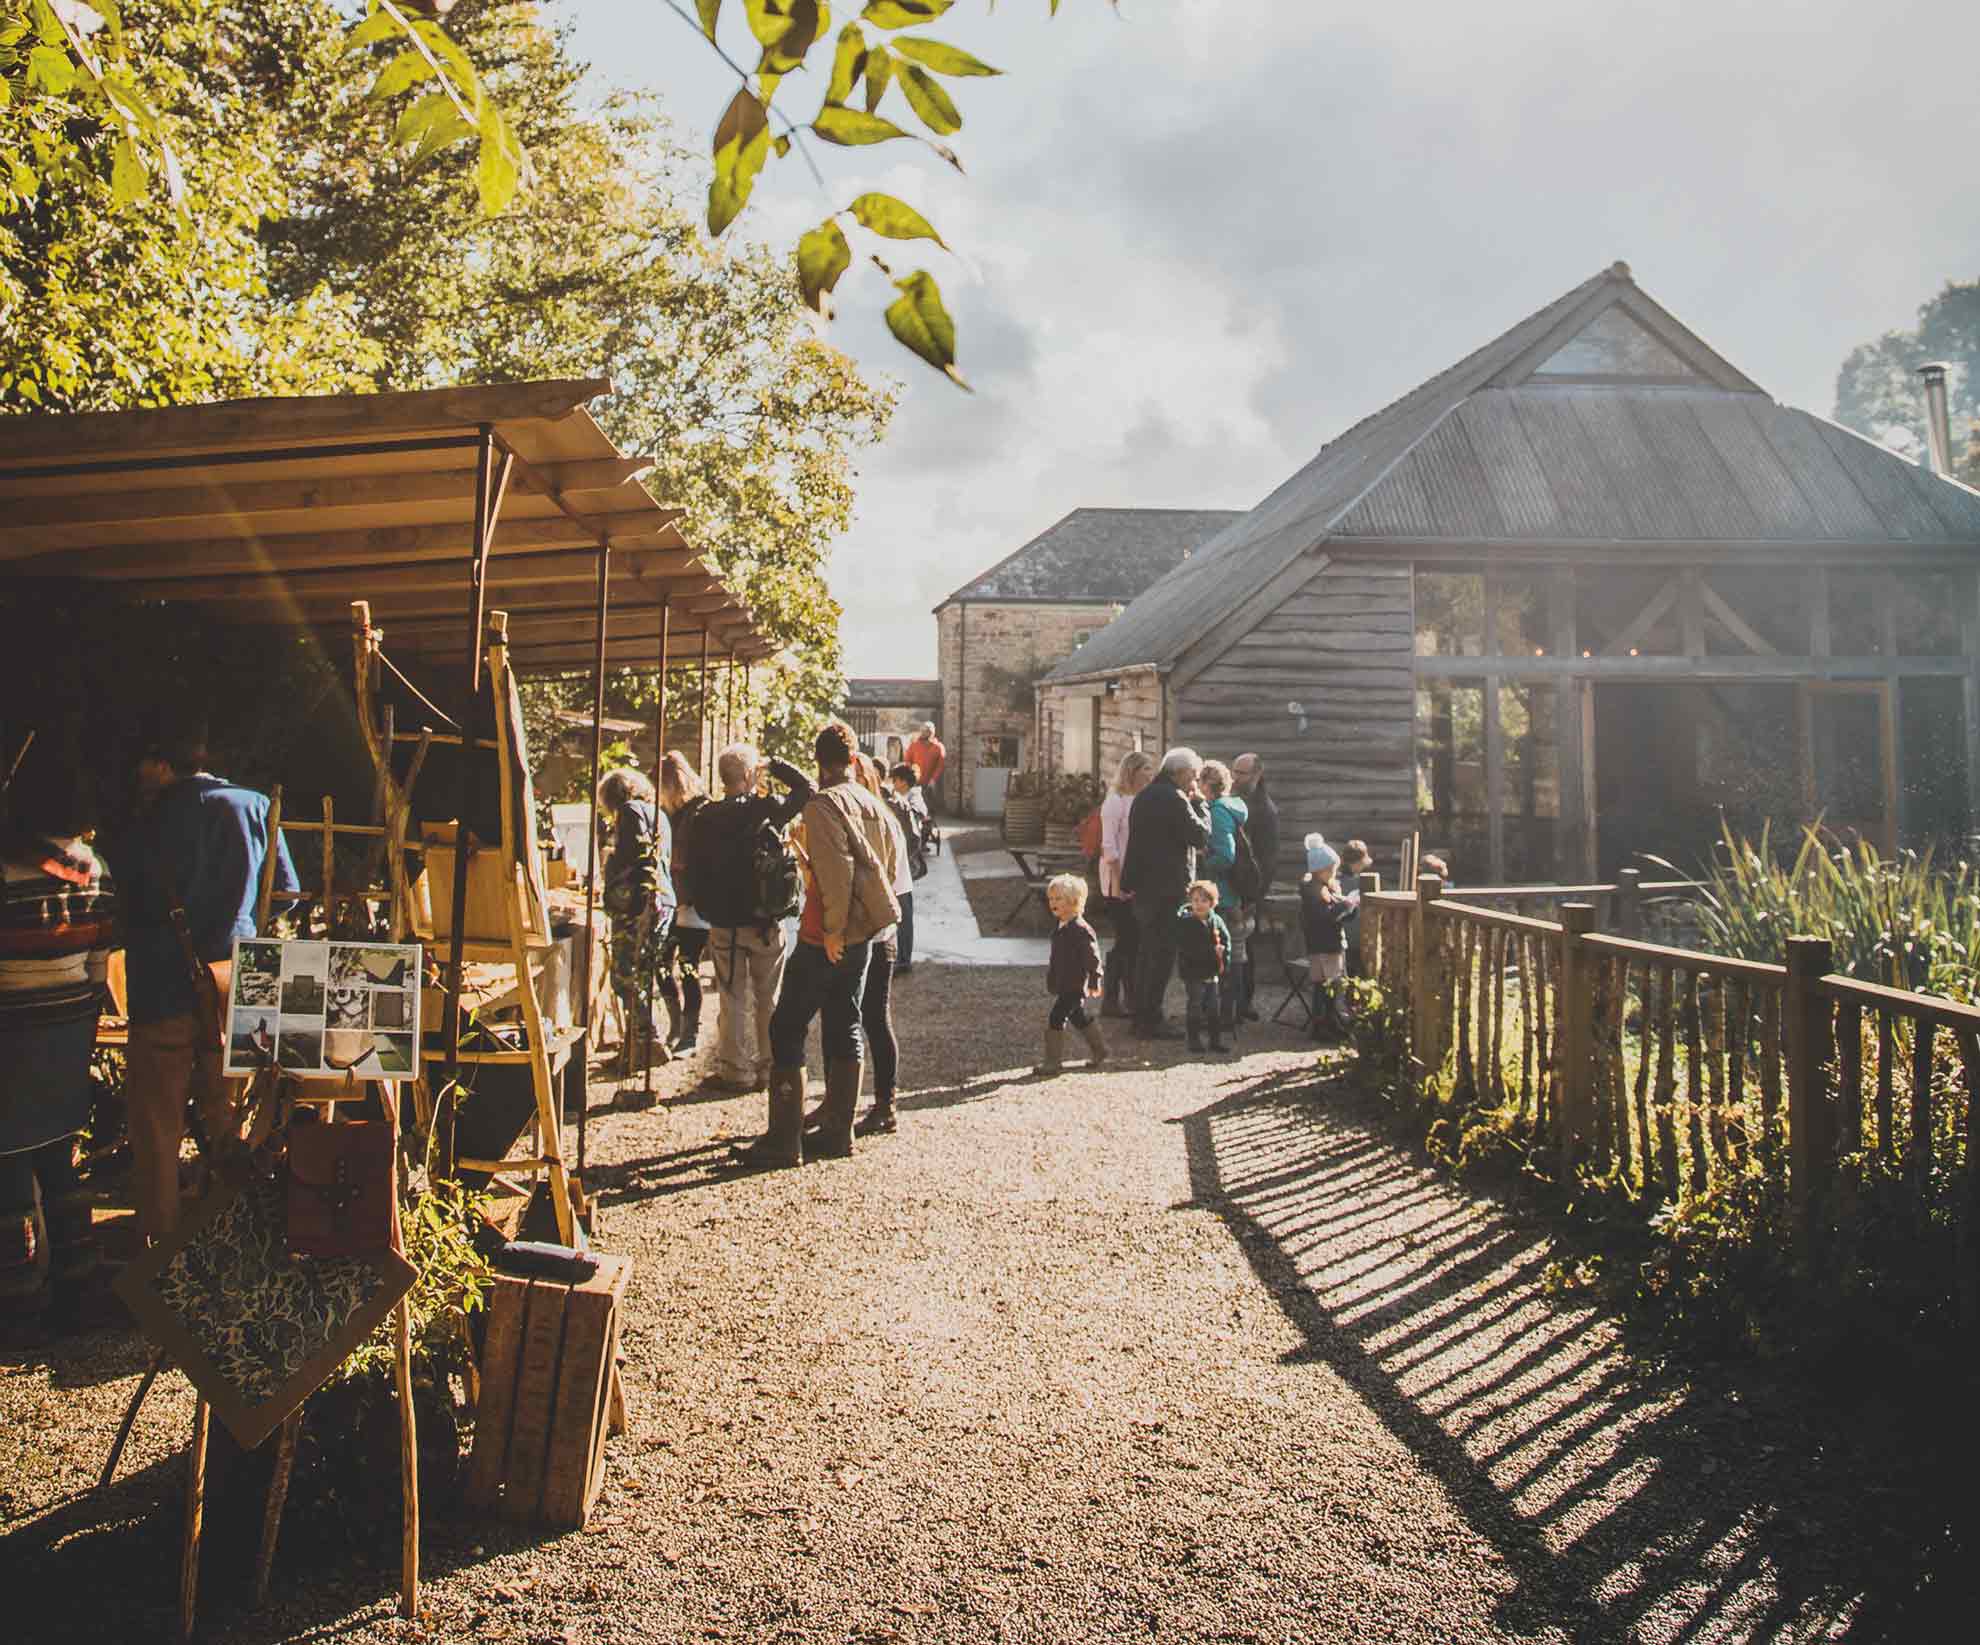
(1487, 453)
(893, 693)
(1097, 556)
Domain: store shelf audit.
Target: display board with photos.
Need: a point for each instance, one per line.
(324, 1010)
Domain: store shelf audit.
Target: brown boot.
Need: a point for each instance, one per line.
(783, 1142)
(834, 1137)
(1096, 1045)
(1055, 1052)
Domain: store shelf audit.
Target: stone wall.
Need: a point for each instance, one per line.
(1130, 718)
(989, 657)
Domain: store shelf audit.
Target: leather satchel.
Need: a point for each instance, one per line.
(340, 1189)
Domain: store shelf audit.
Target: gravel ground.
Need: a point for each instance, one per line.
(1178, 1350)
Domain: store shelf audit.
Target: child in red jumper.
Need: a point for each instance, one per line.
(1073, 977)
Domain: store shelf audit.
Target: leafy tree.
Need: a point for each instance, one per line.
(1878, 392)
(112, 294)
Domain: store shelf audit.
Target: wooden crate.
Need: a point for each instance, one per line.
(547, 1386)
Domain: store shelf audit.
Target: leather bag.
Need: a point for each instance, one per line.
(340, 1189)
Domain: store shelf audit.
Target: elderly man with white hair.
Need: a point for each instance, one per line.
(1167, 825)
(746, 940)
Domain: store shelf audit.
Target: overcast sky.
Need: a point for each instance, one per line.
(1199, 240)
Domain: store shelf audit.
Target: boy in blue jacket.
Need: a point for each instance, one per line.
(1203, 956)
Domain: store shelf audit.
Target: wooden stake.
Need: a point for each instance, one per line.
(278, 1496)
(195, 1513)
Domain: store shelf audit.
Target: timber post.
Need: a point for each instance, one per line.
(1424, 1018)
(1629, 902)
(1576, 1005)
(1365, 884)
(1806, 1044)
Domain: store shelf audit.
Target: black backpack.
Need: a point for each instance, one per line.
(911, 834)
(740, 875)
(776, 882)
(1247, 883)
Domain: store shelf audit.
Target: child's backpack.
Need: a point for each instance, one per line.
(1247, 881)
(1091, 835)
(911, 834)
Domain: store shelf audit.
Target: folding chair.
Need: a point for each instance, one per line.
(1292, 968)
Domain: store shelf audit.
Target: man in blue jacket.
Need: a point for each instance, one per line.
(200, 843)
(1167, 825)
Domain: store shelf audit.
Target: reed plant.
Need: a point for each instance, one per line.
(1903, 921)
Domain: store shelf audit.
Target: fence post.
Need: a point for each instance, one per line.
(1629, 902)
(1367, 883)
(1576, 1004)
(1807, 1018)
(1424, 1018)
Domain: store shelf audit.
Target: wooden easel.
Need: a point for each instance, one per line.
(291, 1428)
(506, 924)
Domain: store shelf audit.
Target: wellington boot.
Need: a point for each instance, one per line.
(1096, 1045)
(1055, 1052)
(835, 1115)
(783, 1143)
(1110, 1000)
(881, 1120)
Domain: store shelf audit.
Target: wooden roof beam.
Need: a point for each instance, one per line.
(289, 420)
(312, 550)
(631, 568)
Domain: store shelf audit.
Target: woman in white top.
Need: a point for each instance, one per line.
(876, 1009)
(1131, 776)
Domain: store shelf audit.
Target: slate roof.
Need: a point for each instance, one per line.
(1096, 556)
(1683, 449)
(893, 693)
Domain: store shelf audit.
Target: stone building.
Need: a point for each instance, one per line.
(1579, 597)
(1002, 631)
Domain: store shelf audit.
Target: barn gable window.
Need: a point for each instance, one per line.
(1615, 344)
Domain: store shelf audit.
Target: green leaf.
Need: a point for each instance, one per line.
(822, 256)
(403, 72)
(419, 117)
(742, 144)
(848, 64)
(378, 26)
(47, 28)
(444, 130)
(128, 175)
(921, 324)
(904, 14)
(928, 100)
(50, 70)
(879, 71)
(498, 171)
(850, 127)
(896, 219)
(943, 59)
(710, 10)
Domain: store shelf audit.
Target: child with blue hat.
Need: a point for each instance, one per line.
(1325, 911)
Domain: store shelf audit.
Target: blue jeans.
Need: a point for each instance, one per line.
(904, 937)
(815, 987)
(1200, 998)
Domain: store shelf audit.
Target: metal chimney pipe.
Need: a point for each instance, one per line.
(1938, 426)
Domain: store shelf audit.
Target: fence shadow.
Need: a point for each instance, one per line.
(1625, 1507)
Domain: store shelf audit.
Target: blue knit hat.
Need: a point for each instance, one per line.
(1320, 855)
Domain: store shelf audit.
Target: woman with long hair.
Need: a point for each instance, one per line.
(1130, 778)
(639, 898)
(56, 913)
(681, 796)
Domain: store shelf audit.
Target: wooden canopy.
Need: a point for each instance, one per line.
(286, 510)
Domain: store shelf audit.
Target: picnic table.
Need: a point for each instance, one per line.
(1037, 864)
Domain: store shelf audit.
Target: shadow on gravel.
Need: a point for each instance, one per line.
(1625, 1508)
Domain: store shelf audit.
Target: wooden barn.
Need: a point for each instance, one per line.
(1580, 596)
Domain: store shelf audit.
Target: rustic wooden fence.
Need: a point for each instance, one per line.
(1681, 1071)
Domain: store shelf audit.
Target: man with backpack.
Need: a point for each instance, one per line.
(746, 882)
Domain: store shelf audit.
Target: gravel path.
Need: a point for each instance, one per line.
(1183, 1351)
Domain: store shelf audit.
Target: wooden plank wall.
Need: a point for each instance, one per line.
(1341, 647)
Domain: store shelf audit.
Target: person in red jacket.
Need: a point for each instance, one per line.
(928, 757)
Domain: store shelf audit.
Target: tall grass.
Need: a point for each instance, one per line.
(1900, 920)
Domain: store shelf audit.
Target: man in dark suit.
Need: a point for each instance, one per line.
(1167, 825)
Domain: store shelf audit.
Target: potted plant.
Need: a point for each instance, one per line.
(1070, 798)
(1024, 808)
